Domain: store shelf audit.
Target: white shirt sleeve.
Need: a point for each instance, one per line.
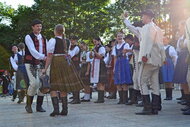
(114, 51)
(74, 52)
(88, 57)
(13, 63)
(133, 29)
(102, 51)
(126, 46)
(32, 49)
(173, 54)
(51, 45)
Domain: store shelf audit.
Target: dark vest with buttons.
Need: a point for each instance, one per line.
(28, 56)
(76, 58)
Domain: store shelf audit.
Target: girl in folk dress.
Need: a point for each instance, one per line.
(98, 69)
(63, 75)
(168, 68)
(122, 73)
(85, 71)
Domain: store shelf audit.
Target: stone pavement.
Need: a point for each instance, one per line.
(108, 114)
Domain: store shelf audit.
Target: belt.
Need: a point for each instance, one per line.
(59, 54)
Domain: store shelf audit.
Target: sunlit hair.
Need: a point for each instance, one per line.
(21, 46)
(59, 29)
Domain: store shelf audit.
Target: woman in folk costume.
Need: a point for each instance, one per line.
(85, 71)
(63, 75)
(74, 52)
(98, 69)
(122, 72)
(168, 68)
(22, 81)
(109, 60)
(180, 72)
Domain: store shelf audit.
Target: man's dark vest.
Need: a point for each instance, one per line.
(76, 58)
(28, 56)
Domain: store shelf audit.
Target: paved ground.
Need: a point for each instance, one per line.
(108, 114)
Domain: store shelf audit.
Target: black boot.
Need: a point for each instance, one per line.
(76, 98)
(167, 93)
(182, 95)
(100, 96)
(130, 93)
(147, 110)
(160, 103)
(39, 104)
(187, 107)
(139, 96)
(187, 112)
(29, 104)
(133, 98)
(141, 104)
(55, 103)
(21, 96)
(64, 111)
(125, 97)
(155, 104)
(120, 97)
(14, 95)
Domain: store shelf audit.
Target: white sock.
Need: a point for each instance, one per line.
(87, 97)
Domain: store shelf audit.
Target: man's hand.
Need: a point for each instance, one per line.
(43, 71)
(144, 59)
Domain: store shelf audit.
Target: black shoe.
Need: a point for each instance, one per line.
(156, 104)
(71, 97)
(133, 98)
(186, 112)
(12, 100)
(100, 97)
(168, 98)
(76, 98)
(185, 108)
(120, 97)
(39, 104)
(83, 100)
(75, 101)
(147, 110)
(29, 101)
(29, 109)
(125, 97)
(64, 111)
(55, 103)
(19, 101)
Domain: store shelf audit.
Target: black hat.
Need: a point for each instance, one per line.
(36, 21)
(148, 13)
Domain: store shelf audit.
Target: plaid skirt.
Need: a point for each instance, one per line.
(63, 75)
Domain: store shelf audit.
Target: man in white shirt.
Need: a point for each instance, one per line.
(151, 57)
(35, 54)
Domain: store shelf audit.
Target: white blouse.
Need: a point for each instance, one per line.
(118, 46)
(172, 53)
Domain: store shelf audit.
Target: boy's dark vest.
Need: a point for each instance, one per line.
(28, 56)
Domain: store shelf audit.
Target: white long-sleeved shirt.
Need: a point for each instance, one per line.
(172, 53)
(74, 52)
(151, 42)
(30, 44)
(14, 61)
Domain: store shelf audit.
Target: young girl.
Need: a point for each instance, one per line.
(98, 69)
(122, 72)
(168, 68)
(85, 71)
(63, 75)
(22, 81)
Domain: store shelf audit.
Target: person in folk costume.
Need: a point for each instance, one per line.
(6, 80)
(136, 90)
(122, 72)
(22, 80)
(63, 74)
(129, 39)
(167, 70)
(35, 55)
(13, 61)
(186, 110)
(74, 52)
(151, 58)
(181, 69)
(85, 71)
(109, 61)
(98, 73)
